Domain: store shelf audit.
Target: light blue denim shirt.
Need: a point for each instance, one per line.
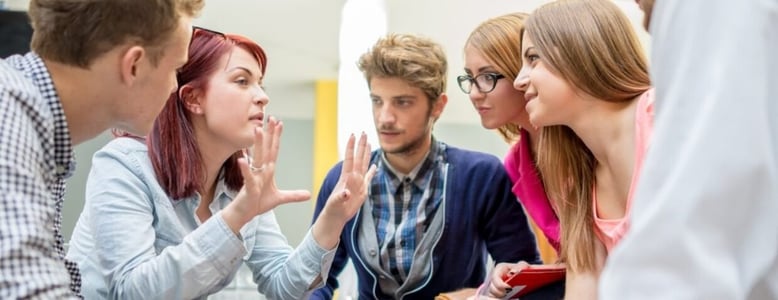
(133, 242)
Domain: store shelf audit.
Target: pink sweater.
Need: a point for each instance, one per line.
(528, 187)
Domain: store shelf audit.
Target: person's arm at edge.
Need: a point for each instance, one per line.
(718, 202)
(584, 285)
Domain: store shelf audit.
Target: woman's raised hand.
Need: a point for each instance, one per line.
(260, 193)
(348, 195)
(351, 190)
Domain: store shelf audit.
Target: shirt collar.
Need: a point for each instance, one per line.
(418, 174)
(34, 68)
(222, 189)
(222, 196)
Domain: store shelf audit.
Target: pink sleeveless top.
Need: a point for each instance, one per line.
(610, 231)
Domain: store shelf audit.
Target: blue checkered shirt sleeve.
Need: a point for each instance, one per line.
(32, 185)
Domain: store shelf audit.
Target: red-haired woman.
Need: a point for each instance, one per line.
(174, 215)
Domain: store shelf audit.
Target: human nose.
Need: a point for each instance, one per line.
(475, 92)
(385, 115)
(521, 82)
(260, 96)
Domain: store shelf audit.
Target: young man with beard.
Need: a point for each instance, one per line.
(434, 212)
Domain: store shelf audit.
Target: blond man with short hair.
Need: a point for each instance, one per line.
(94, 64)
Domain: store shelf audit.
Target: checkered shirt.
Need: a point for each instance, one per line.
(404, 207)
(36, 157)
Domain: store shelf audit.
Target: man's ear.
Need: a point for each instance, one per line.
(131, 63)
(191, 98)
(439, 105)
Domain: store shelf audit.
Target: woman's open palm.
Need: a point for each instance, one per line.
(350, 192)
(260, 193)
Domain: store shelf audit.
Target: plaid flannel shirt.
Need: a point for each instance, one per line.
(403, 208)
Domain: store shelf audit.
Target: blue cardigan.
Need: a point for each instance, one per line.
(482, 217)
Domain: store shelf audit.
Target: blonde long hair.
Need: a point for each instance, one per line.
(499, 40)
(592, 45)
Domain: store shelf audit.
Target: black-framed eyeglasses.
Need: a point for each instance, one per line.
(195, 29)
(485, 82)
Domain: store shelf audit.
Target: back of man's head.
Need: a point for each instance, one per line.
(75, 32)
(418, 60)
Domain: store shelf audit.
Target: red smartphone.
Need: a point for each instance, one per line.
(533, 278)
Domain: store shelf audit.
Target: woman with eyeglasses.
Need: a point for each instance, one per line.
(175, 214)
(586, 84)
(492, 60)
(492, 53)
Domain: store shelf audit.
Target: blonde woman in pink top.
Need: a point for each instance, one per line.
(587, 86)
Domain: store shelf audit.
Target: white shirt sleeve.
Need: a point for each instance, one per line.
(705, 220)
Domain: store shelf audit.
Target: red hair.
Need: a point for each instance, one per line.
(173, 149)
